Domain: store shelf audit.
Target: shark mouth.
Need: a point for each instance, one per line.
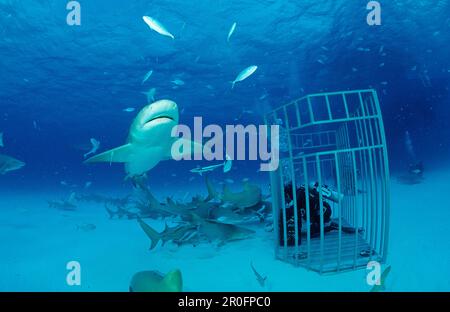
(159, 118)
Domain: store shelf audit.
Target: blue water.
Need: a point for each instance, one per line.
(61, 85)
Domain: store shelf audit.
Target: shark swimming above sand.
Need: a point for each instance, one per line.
(8, 163)
(261, 279)
(154, 281)
(66, 204)
(250, 196)
(222, 233)
(176, 234)
(149, 140)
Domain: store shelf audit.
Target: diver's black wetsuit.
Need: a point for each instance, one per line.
(314, 214)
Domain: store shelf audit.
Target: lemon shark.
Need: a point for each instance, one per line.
(8, 163)
(150, 141)
(250, 196)
(68, 204)
(154, 281)
(176, 234)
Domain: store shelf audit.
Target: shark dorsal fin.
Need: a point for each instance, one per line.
(211, 191)
(72, 198)
(173, 281)
(170, 202)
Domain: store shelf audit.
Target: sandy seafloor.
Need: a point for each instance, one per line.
(37, 241)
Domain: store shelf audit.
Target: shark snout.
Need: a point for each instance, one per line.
(159, 112)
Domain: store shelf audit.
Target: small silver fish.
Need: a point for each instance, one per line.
(226, 167)
(157, 26)
(148, 75)
(178, 82)
(244, 74)
(232, 29)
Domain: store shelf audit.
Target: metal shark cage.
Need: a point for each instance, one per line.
(332, 152)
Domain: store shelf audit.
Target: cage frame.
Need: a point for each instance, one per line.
(370, 134)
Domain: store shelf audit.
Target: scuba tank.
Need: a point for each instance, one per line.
(327, 193)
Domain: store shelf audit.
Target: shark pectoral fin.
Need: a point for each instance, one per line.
(119, 154)
(184, 149)
(173, 281)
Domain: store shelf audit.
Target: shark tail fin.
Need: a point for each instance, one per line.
(119, 154)
(211, 191)
(154, 236)
(173, 282)
(232, 84)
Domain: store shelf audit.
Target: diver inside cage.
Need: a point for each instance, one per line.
(314, 213)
